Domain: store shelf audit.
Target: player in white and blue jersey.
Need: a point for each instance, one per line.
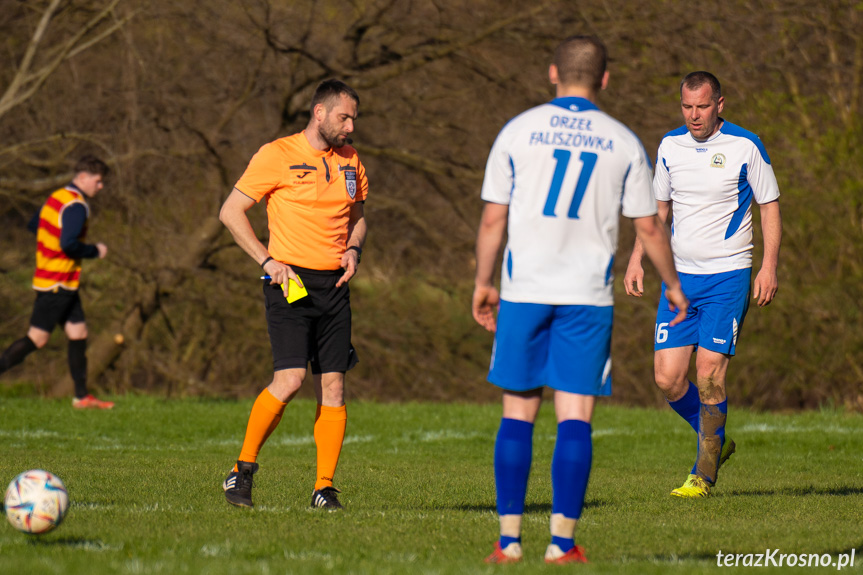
(707, 174)
(557, 179)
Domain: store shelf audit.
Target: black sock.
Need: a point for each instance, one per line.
(16, 353)
(78, 365)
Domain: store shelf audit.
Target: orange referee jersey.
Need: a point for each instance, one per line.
(309, 197)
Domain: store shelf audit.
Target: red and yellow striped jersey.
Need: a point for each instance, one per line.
(53, 267)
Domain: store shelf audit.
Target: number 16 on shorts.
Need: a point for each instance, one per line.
(661, 333)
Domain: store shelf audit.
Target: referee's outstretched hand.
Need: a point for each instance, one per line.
(350, 262)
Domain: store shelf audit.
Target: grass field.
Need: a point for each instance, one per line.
(145, 486)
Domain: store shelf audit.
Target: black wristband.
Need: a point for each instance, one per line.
(359, 251)
(263, 263)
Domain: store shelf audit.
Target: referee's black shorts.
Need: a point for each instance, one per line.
(315, 329)
(53, 308)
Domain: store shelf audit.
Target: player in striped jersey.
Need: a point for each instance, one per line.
(707, 174)
(60, 227)
(557, 179)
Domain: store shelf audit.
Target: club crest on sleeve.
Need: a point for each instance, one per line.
(351, 183)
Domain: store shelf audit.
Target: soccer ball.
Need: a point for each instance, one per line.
(36, 501)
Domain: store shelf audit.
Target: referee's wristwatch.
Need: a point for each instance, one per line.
(359, 251)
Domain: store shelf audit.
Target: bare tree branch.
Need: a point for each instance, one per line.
(39, 185)
(421, 163)
(426, 54)
(29, 54)
(382, 67)
(27, 82)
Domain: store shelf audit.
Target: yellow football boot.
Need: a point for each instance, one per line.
(694, 487)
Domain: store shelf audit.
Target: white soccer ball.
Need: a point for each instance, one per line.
(36, 501)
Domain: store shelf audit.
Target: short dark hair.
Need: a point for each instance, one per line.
(695, 80)
(581, 60)
(92, 165)
(330, 90)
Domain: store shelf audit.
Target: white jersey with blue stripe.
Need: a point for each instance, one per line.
(566, 170)
(711, 185)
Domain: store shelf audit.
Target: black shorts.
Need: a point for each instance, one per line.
(56, 308)
(315, 329)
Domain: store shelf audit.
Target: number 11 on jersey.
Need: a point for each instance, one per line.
(588, 161)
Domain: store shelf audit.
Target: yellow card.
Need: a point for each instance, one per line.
(295, 292)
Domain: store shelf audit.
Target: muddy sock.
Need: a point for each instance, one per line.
(711, 436)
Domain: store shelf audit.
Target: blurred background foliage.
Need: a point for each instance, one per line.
(178, 96)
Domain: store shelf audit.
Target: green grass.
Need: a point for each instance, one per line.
(145, 486)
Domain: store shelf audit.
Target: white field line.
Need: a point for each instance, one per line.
(307, 556)
(96, 546)
(105, 443)
(28, 433)
(310, 440)
(434, 436)
(768, 428)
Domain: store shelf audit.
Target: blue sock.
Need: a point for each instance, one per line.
(513, 453)
(505, 541)
(570, 470)
(689, 406)
(564, 543)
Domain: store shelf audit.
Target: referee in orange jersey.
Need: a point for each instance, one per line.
(315, 186)
(60, 226)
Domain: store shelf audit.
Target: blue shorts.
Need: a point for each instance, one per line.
(717, 306)
(564, 347)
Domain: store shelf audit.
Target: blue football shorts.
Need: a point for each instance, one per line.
(717, 306)
(564, 347)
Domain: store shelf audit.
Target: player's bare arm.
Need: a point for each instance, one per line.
(767, 281)
(233, 215)
(486, 298)
(356, 239)
(633, 280)
(654, 239)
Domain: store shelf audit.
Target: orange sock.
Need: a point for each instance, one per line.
(266, 414)
(330, 423)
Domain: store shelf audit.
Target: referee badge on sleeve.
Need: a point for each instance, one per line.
(351, 183)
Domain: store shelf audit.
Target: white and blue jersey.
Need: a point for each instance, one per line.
(711, 185)
(566, 170)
